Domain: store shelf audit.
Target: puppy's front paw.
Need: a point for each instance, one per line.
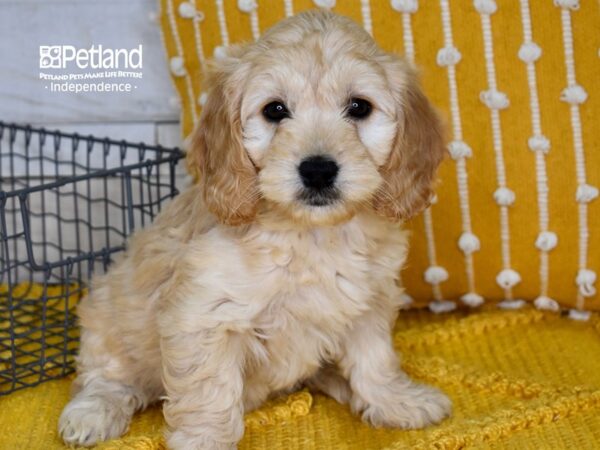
(88, 420)
(180, 440)
(408, 406)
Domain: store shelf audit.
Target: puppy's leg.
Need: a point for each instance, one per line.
(256, 391)
(329, 381)
(380, 390)
(102, 410)
(103, 406)
(203, 378)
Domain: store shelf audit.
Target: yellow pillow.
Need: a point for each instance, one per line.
(517, 215)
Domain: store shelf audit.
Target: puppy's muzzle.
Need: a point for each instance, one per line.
(318, 174)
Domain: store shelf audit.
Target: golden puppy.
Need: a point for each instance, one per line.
(281, 267)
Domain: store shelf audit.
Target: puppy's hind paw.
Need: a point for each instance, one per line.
(87, 420)
(410, 407)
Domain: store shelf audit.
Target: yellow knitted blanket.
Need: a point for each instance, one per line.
(518, 379)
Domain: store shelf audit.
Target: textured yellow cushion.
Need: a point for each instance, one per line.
(519, 379)
(500, 159)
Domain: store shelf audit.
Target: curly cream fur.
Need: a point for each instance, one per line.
(238, 291)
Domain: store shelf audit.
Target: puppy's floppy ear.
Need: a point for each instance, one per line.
(217, 154)
(417, 151)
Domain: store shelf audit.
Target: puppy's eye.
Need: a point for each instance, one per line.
(275, 112)
(359, 108)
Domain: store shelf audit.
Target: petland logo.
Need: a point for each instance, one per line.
(65, 68)
(96, 57)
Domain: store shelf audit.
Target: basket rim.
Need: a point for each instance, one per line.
(100, 140)
(174, 155)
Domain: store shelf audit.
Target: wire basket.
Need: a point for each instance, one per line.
(67, 205)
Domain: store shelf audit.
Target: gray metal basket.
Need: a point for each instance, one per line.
(67, 205)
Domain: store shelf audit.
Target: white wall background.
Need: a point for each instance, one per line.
(149, 114)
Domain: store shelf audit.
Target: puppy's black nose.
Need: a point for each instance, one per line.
(318, 172)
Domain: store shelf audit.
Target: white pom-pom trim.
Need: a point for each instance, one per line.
(468, 243)
(472, 299)
(187, 10)
(247, 6)
(485, 6)
(574, 94)
(202, 98)
(586, 193)
(508, 278)
(504, 196)
(530, 52)
(585, 280)
(405, 6)
(406, 300)
(567, 4)
(511, 304)
(546, 241)
(539, 143)
(448, 56)
(459, 149)
(220, 52)
(436, 274)
(494, 99)
(582, 316)
(327, 4)
(546, 303)
(177, 66)
(441, 306)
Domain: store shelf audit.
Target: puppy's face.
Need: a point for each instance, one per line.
(317, 122)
